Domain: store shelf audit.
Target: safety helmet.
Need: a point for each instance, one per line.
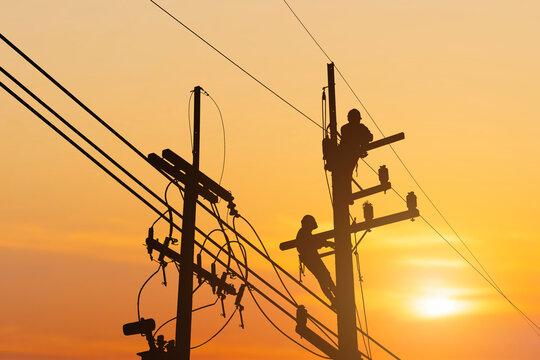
(354, 116)
(309, 222)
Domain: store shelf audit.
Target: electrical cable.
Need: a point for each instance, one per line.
(174, 318)
(234, 63)
(205, 306)
(141, 289)
(206, 238)
(167, 202)
(487, 275)
(248, 286)
(101, 166)
(217, 333)
(162, 325)
(267, 254)
(224, 137)
(281, 331)
(220, 222)
(196, 288)
(272, 323)
(361, 281)
(72, 128)
(529, 321)
(132, 147)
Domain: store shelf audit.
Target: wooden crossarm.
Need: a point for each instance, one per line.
(384, 220)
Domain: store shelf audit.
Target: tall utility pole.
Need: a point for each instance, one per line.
(185, 281)
(341, 181)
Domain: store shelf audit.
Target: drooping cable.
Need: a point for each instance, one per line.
(141, 289)
(224, 137)
(244, 254)
(267, 254)
(217, 333)
(227, 240)
(206, 306)
(275, 326)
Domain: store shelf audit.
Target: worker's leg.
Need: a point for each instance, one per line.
(321, 273)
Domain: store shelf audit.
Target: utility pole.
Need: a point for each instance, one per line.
(341, 160)
(187, 245)
(345, 302)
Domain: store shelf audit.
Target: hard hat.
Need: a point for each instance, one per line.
(354, 116)
(309, 222)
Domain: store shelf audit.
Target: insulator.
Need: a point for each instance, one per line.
(383, 174)
(240, 294)
(150, 237)
(240, 310)
(368, 211)
(223, 280)
(411, 201)
(301, 316)
(199, 264)
(213, 270)
(232, 209)
(222, 298)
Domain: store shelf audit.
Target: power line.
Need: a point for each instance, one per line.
(168, 178)
(235, 64)
(101, 166)
(527, 318)
(133, 148)
(131, 190)
(487, 277)
(267, 254)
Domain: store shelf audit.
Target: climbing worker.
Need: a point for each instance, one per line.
(307, 247)
(355, 135)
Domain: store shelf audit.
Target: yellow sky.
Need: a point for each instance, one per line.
(461, 79)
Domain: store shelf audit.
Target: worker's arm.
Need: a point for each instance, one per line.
(329, 244)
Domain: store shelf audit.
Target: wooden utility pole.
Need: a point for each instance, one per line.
(341, 180)
(185, 281)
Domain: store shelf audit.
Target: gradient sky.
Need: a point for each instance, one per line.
(460, 78)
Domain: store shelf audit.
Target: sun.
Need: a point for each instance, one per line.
(437, 306)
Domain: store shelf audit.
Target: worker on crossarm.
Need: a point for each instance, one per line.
(307, 247)
(354, 135)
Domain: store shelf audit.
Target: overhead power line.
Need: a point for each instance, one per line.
(141, 198)
(132, 147)
(235, 64)
(487, 277)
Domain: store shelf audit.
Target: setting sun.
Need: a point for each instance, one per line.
(437, 306)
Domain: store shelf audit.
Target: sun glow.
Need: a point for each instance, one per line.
(437, 306)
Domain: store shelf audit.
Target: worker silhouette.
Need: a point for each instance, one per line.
(354, 135)
(307, 247)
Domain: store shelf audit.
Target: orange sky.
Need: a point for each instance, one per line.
(461, 79)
